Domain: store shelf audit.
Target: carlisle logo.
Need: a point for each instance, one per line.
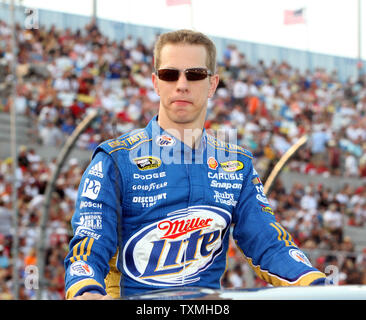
(174, 251)
(212, 163)
(147, 163)
(165, 141)
(232, 166)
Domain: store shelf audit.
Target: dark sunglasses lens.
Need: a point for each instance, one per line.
(168, 74)
(196, 74)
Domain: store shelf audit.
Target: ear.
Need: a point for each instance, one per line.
(214, 82)
(154, 79)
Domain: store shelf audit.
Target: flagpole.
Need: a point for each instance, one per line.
(307, 50)
(191, 14)
(359, 40)
(14, 156)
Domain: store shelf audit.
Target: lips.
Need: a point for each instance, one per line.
(181, 102)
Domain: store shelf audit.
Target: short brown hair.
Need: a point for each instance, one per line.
(185, 36)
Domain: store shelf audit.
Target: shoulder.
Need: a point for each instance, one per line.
(125, 142)
(229, 147)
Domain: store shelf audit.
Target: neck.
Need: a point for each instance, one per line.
(189, 133)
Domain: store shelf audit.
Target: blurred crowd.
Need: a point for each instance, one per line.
(62, 75)
(315, 217)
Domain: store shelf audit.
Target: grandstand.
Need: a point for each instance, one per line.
(70, 66)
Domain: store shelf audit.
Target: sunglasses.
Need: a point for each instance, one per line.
(192, 74)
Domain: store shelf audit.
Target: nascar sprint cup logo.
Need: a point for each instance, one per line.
(173, 251)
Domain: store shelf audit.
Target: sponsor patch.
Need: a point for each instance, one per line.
(128, 142)
(97, 170)
(262, 198)
(212, 163)
(90, 204)
(232, 166)
(267, 209)
(299, 256)
(91, 189)
(165, 141)
(147, 163)
(225, 198)
(176, 249)
(149, 187)
(225, 176)
(149, 201)
(80, 268)
(181, 227)
(256, 180)
(149, 176)
(225, 185)
(92, 220)
(261, 195)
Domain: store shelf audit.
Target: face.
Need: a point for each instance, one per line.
(183, 101)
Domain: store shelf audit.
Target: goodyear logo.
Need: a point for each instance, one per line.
(232, 165)
(147, 163)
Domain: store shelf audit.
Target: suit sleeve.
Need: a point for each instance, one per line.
(94, 225)
(268, 247)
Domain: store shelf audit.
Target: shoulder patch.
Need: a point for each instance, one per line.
(230, 147)
(127, 141)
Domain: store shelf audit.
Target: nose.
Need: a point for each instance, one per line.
(182, 83)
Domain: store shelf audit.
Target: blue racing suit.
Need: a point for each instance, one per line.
(152, 213)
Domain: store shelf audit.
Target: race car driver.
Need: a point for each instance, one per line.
(155, 207)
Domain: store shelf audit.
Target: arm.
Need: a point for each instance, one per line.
(268, 247)
(95, 228)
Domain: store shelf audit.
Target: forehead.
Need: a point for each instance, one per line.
(183, 56)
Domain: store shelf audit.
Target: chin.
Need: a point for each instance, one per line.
(183, 117)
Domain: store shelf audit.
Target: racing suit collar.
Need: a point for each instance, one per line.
(155, 130)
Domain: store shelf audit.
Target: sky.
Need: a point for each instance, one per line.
(331, 26)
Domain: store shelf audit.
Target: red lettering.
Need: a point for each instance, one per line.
(178, 228)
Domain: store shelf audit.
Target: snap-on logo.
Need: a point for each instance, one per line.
(173, 251)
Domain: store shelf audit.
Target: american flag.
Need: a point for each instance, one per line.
(294, 16)
(177, 2)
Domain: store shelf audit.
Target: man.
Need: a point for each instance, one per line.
(155, 206)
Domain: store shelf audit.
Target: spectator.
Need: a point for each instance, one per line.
(64, 72)
(51, 135)
(308, 201)
(351, 166)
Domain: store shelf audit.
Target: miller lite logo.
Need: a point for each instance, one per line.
(173, 251)
(165, 140)
(180, 227)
